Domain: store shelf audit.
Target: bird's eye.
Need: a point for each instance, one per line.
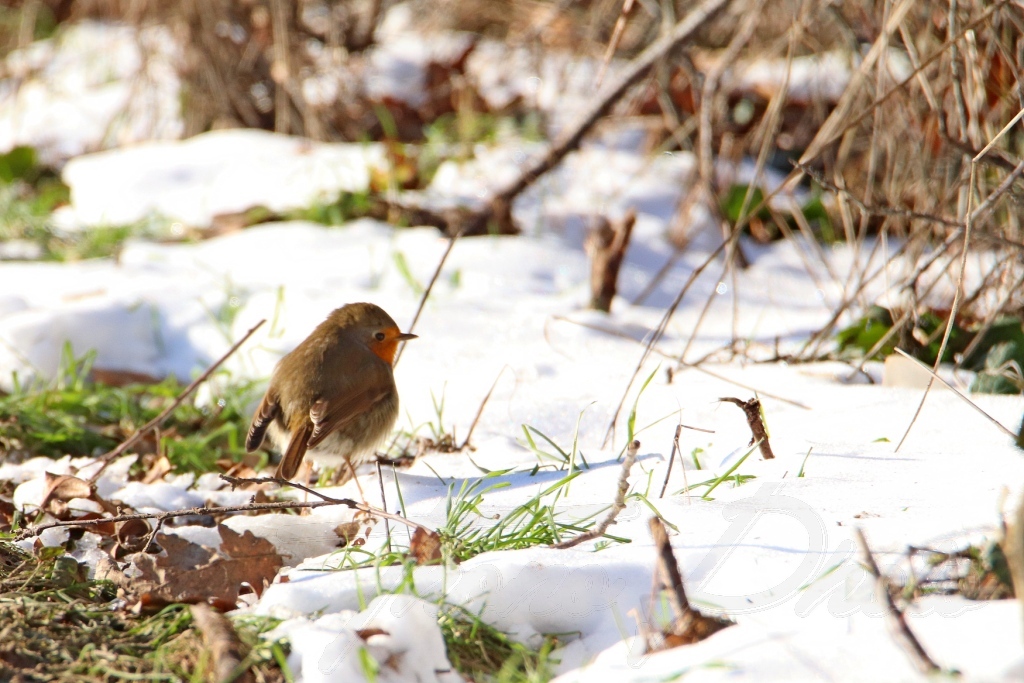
(379, 336)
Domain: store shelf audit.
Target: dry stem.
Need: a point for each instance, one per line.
(250, 507)
(617, 507)
(897, 622)
(109, 457)
(752, 410)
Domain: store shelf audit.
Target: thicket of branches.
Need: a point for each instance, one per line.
(913, 147)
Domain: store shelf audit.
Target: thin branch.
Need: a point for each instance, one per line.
(686, 365)
(225, 648)
(672, 579)
(958, 295)
(617, 507)
(897, 622)
(384, 504)
(672, 459)
(613, 43)
(109, 457)
(949, 386)
(236, 481)
(831, 131)
(430, 286)
(480, 411)
(633, 73)
(250, 507)
(659, 331)
(752, 410)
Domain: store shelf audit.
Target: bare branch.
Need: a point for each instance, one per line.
(109, 457)
(250, 507)
(617, 507)
(897, 622)
(752, 410)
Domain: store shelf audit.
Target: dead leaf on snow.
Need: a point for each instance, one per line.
(191, 573)
(157, 470)
(425, 546)
(132, 535)
(64, 487)
(347, 532)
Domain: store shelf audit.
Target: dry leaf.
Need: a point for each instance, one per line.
(64, 487)
(157, 470)
(367, 633)
(132, 535)
(7, 512)
(103, 529)
(347, 532)
(425, 546)
(191, 573)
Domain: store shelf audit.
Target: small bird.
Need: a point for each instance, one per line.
(334, 396)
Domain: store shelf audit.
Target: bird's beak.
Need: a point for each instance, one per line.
(406, 336)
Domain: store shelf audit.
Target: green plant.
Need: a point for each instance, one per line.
(535, 522)
(75, 415)
(481, 652)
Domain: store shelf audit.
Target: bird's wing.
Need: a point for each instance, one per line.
(328, 415)
(297, 446)
(265, 414)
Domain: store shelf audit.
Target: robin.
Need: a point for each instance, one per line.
(334, 396)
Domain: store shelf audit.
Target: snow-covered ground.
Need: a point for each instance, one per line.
(775, 554)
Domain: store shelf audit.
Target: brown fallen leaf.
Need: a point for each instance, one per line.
(425, 546)
(157, 470)
(132, 535)
(64, 487)
(347, 532)
(192, 573)
(367, 633)
(7, 513)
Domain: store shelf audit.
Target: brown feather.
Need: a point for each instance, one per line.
(297, 446)
(329, 416)
(265, 414)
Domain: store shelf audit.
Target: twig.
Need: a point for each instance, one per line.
(690, 625)
(235, 481)
(251, 507)
(672, 459)
(606, 246)
(617, 506)
(958, 295)
(384, 504)
(752, 410)
(897, 622)
(633, 73)
(659, 331)
(694, 366)
(949, 386)
(109, 457)
(430, 286)
(671, 578)
(833, 128)
(226, 650)
(658, 277)
(613, 43)
(480, 411)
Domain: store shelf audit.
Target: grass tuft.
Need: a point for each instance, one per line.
(74, 415)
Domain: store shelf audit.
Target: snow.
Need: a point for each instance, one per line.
(216, 173)
(775, 554)
(91, 86)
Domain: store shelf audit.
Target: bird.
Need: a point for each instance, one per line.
(333, 398)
